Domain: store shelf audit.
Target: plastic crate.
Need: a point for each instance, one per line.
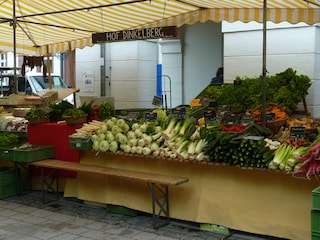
(80, 143)
(214, 228)
(316, 198)
(7, 174)
(121, 210)
(315, 221)
(33, 153)
(8, 189)
(5, 154)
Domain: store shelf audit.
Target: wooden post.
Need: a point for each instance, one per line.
(71, 64)
(48, 68)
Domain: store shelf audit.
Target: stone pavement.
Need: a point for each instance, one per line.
(27, 218)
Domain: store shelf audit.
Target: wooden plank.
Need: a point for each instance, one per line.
(131, 175)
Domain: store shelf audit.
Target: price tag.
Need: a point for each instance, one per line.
(204, 102)
(179, 113)
(297, 132)
(255, 138)
(270, 117)
(132, 116)
(150, 116)
(236, 82)
(223, 108)
(157, 101)
(210, 116)
(231, 118)
(247, 120)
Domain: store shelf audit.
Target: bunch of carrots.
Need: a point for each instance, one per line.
(280, 114)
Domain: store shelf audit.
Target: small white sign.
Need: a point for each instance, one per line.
(88, 81)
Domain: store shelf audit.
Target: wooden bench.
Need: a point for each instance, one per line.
(158, 184)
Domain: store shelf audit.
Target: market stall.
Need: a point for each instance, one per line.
(239, 172)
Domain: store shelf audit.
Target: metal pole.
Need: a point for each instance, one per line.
(264, 68)
(14, 24)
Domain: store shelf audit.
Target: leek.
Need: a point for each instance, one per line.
(300, 151)
(170, 127)
(279, 155)
(186, 124)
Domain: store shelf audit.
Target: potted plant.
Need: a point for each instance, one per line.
(37, 115)
(74, 116)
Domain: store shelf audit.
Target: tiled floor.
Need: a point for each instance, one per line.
(26, 218)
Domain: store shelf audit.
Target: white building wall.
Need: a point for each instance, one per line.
(133, 73)
(293, 46)
(88, 61)
(130, 68)
(171, 60)
(202, 56)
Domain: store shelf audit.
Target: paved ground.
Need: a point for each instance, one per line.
(27, 218)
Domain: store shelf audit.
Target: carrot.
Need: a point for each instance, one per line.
(201, 121)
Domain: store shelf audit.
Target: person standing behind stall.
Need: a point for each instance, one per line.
(218, 79)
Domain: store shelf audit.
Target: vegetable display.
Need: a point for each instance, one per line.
(232, 136)
(185, 140)
(9, 139)
(286, 89)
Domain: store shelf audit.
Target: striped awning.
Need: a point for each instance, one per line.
(50, 26)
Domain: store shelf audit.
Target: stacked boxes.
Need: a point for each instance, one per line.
(8, 182)
(315, 214)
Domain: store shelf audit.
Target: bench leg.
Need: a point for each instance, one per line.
(47, 185)
(160, 202)
(24, 185)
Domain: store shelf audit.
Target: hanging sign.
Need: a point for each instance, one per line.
(157, 101)
(136, 34)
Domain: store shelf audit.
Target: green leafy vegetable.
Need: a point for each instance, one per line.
(8, 139)
(105, 111)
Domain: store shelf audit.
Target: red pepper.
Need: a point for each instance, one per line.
(233, 128)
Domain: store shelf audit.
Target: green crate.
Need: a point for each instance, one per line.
(80, 143)
(121, 210)
(33, 153)
(315, 221)
(7, 174)
(8, 189)
(315, 236)
(5, 153)
(316, 198)
(214, 228)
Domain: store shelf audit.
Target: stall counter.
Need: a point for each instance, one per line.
(252, 200)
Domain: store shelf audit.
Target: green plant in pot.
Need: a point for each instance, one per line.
(37, 115)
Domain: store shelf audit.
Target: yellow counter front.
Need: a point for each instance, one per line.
(252, 200)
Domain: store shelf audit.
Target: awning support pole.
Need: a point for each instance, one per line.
(14, 24)
(264, 68)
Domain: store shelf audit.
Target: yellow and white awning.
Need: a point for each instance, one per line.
(50, 26)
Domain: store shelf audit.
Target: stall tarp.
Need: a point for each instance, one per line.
(45, 27)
